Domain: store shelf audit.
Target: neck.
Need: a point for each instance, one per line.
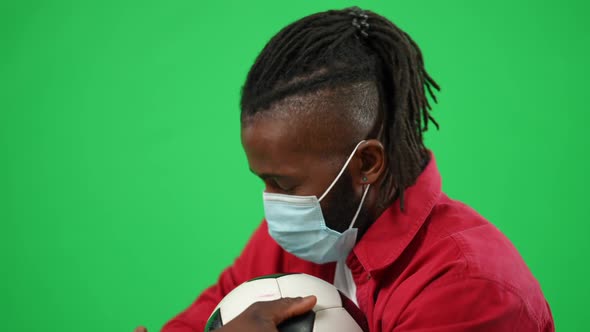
(374, 209)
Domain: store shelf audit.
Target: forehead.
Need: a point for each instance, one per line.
(292, 133)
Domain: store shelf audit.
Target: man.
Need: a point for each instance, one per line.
(333, 115)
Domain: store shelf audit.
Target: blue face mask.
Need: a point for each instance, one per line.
(297, 224)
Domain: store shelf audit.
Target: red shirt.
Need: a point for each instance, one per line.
(438, 266)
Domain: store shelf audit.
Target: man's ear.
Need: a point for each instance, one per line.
(372, 162)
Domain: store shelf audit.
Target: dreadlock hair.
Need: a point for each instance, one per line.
(339, 48)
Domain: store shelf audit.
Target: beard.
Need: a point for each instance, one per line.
(340, 205)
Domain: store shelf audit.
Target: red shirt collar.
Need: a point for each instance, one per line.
(392, 232)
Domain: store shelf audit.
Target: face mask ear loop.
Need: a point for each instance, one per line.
(341, 171)
(360, 206)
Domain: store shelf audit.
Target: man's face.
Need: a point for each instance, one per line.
(296, 153)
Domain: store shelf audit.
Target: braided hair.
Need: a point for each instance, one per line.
(339, 48)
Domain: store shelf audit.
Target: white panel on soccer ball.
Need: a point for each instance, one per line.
(246, 294)
(295, 285)
(335, 319)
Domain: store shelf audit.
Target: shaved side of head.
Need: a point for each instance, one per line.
(335, 118)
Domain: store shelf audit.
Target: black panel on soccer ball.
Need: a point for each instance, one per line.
(214, 322)
(301, 323)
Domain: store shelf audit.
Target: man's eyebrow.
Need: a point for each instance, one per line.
(265, 176)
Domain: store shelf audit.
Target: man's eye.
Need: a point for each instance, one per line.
(274, 185)
(289, 191)
(279, 186)
(283, 186)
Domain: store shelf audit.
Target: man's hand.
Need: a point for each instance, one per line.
(265, 316)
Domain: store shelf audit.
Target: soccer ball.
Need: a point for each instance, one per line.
(332, 312)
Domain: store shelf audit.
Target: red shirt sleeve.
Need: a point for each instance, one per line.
(247, 266)
(468, 304)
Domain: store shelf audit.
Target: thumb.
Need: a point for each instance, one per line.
(291, 307)
(140, 329)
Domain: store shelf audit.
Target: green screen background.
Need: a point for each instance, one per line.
(124, 190)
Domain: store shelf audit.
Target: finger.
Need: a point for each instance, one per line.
(286, 308)
(140, 329)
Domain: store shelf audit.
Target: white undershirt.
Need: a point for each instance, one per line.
(344, 282)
